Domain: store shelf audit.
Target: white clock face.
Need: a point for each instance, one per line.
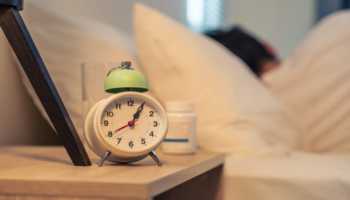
(132, 123)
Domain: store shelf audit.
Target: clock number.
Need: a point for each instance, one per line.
(151, 113)
(143, 141)
(105, 122)
(131, 144)
(155, 124)
(151, 134)
(110, 134)
(109, 114)
(119, 139)
(118, 106)
(131, 102)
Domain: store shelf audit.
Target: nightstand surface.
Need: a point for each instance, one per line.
(47, 171)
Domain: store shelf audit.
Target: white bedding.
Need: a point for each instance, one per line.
(297, 176)
(236, 113)
(315, 85)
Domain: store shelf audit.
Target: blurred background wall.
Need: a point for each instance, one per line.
(281, 22)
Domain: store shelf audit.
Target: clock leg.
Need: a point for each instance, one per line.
(155, 158)
(104, 158)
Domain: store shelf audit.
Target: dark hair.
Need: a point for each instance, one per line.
(245, 46)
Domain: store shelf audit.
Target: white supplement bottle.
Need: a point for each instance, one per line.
(181, 136)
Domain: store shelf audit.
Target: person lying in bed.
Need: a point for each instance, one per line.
(312, 82)
(258, 55)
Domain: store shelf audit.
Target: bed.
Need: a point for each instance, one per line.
(277, 145)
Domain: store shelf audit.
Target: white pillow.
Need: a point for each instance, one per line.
(314, 83)
(65, 43)
(235, 112)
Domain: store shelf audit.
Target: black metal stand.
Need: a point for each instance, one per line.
(19, 38)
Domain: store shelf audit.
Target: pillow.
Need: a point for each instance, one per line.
(65, 43)
(235, 112)
(314, 83)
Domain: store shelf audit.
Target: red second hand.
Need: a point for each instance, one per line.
(136, 116)
(129, 124)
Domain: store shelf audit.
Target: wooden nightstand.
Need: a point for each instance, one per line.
(29, 173)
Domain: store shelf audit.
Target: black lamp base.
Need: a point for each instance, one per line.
(23, 46)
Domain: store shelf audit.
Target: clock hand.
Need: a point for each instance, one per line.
(129, 124)
(121, 128)
(136, 116)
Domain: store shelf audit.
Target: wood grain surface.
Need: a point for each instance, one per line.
(46, 171)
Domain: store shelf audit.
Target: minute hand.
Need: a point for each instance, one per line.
(136, 116)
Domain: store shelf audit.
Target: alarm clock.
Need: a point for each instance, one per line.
(128, 125)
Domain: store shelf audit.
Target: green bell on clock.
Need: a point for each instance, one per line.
(125, 78)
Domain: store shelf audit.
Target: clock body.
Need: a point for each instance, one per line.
(111, 126)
